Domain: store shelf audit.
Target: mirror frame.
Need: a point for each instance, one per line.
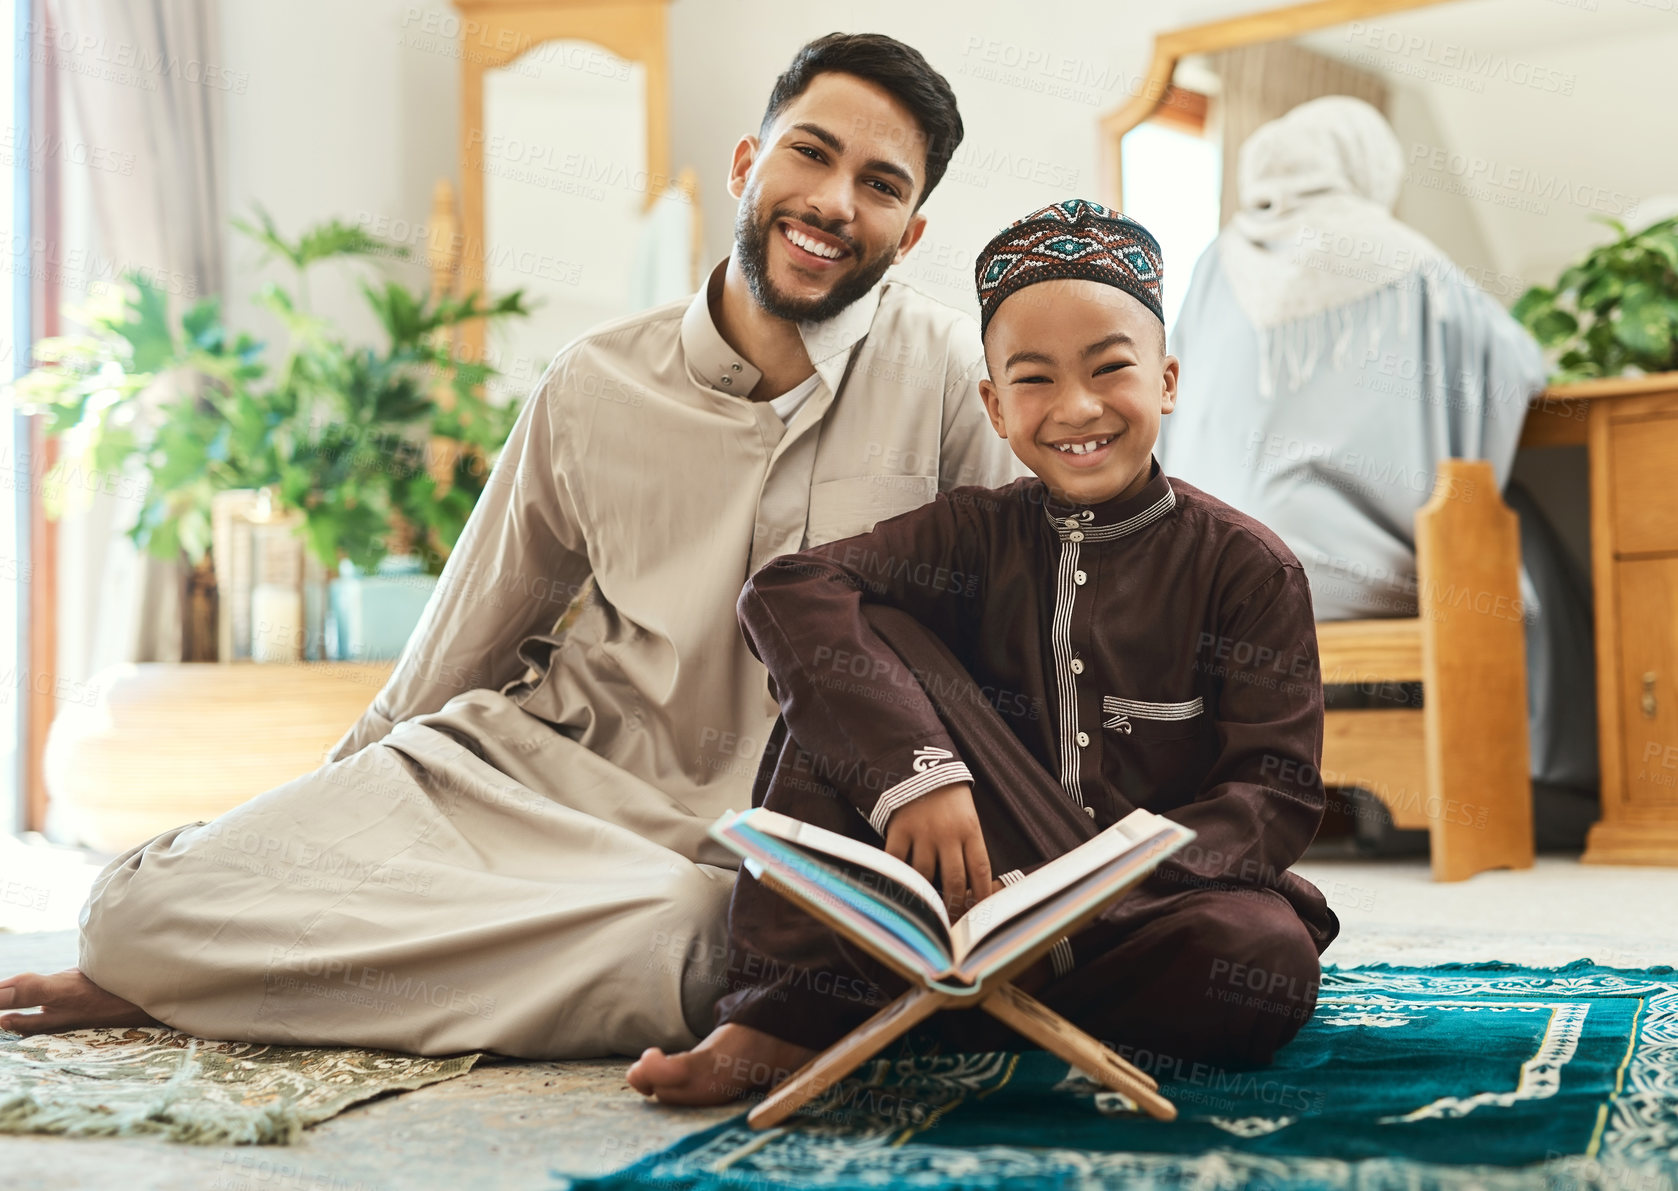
(1256, 28)
(494, 33)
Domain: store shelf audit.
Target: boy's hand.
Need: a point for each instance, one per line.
(939, 833)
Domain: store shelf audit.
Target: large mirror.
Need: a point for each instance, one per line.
(564, 166)
(1523, 124)
(1519, 121)
(566, 186)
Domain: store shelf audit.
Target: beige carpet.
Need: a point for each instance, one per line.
(160, 1082)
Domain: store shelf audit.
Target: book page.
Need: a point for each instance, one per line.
(1049, 919)
(883, 889)
(819, 839)
(1007, 904)
(899, 938)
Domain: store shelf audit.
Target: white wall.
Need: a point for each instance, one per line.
(1538, 164)
(1026, 145)
(351, 111)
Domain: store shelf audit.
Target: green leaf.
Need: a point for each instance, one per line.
(1553, 327)
(1646, 322)
(161, 539)
(194, 533)
(1610, 221)
(112, 450)
(203, 327)
(1572, 278)
(1665, 249)
(1537, 298)
(320, 242)
(151, 345)
(1600, 292)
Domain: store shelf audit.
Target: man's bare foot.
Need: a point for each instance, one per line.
(732, 1061)
(68, 1000)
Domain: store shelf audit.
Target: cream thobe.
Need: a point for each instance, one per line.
(508, 851)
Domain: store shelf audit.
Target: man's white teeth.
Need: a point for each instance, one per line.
(1083, 448)
(811, 246)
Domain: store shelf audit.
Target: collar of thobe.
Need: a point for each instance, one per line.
(721, 368)
(1116, 518)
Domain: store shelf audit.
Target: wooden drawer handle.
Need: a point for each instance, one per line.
(1649, 695)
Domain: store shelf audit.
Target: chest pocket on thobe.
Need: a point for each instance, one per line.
(846, 507)
(1152, 721)
(1158, 747)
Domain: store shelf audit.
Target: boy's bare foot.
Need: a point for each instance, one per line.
(731, 1062)
(67, 1000)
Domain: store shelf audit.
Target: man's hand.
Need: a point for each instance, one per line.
(938, 833)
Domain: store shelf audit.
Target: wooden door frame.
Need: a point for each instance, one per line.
(46, 212)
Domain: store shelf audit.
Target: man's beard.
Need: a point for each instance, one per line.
(751, 236)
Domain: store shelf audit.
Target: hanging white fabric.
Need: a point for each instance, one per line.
(1314, 243)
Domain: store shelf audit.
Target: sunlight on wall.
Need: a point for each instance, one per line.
(1171, 185)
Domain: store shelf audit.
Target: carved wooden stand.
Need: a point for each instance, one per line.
(1023, 1012)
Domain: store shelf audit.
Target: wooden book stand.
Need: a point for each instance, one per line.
(996, 995)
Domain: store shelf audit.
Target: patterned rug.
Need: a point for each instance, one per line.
(159, 1082)
(1462, 1076)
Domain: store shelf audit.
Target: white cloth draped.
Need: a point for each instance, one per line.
(1331, 357)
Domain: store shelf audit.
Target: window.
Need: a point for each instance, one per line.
(1172, 175)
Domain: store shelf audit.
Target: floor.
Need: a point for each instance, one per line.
(510, 1125)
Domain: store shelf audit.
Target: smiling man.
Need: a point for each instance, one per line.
(508, 852)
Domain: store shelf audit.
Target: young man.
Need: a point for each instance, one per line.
(984, 683)
(508, 852)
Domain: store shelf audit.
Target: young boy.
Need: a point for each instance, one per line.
(984, 683)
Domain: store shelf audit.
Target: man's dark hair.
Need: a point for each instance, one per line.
(891, 65)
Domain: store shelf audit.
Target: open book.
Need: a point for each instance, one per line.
(882, 903)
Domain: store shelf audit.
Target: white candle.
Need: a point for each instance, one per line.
(276, 624)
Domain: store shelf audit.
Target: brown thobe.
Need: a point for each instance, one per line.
(509, 850)
(1072, 664)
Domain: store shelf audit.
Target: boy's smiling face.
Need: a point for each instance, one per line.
(1079, 380)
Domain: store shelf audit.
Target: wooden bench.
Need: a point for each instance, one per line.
(1459, 766)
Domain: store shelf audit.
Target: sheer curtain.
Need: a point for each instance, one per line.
(1263, 82)
(143, 84)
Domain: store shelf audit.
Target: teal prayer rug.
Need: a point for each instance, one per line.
(1462, 1076)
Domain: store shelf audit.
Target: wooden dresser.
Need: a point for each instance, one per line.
(1630, 425)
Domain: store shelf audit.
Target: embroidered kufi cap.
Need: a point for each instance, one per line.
(1071, 239)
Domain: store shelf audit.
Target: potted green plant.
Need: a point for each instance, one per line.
(1613, 313)
(347, 435)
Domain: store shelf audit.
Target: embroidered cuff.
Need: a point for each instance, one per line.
(1060, 956)
(946, 773)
